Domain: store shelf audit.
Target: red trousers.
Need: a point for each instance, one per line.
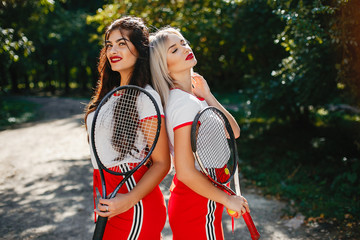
(144, 221)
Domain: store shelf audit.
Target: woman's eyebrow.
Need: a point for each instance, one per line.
(118, 40)
(172, 46)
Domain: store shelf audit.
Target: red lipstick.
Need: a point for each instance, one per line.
(115, 59)
(190, 56)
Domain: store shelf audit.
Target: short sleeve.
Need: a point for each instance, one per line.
(146, 107)
(183, 111)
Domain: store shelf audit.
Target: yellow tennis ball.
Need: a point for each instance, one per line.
(226, 171)
(232, 213)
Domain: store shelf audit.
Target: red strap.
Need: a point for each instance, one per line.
(94, 195)
(232, 224)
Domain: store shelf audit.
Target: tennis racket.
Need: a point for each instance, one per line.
(124, 132)
(214, 147)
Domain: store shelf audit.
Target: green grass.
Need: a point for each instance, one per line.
(15, 111)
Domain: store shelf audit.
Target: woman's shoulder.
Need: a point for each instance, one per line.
(181, 108)
(154, 94)
(182, 97)
(179, 99)
(151, 90)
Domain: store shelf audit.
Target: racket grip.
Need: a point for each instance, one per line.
(251, 226)
(100, 228)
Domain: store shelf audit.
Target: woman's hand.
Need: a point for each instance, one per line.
(238, 204)
(114, 206)
(201, 89)
(200, 86)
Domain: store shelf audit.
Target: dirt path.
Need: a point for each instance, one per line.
(46, 191)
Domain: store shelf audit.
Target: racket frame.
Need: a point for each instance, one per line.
(231, 142)
(101, 222)
(234, 174)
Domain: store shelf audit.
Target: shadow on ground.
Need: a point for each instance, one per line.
(53, 205)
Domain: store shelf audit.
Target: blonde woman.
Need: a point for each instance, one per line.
(195, 205)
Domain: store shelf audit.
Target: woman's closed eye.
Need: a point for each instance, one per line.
(182, 43)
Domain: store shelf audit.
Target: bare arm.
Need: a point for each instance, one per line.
(201, 89)
(191, 177)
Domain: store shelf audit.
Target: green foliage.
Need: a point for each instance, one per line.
(11, 45)
(224, 34)
(306, 76)
(345, 35)
(315, 167)
(281, 66)
(15, 111)
(53, 31)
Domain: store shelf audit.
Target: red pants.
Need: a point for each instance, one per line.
(144, 221)
(192, 216)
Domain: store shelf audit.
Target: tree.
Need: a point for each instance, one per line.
(306, 78)
(15, 45)
(345, 34)
(57, 36)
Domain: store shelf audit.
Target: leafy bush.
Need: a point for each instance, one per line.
(317, 167)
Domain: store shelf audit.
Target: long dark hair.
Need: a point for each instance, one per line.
(108, 79)
(125, 120)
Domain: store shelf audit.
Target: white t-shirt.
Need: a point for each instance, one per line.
(180, 111)
(106, 151)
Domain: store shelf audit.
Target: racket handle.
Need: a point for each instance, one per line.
(251, 226)
(100, 228)
(249, 222)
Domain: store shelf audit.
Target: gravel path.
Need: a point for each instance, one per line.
(46, 190)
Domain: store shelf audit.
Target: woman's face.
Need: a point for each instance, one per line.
(180, 57)
(121, 53)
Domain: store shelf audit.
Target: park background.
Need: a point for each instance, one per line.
(289, 71)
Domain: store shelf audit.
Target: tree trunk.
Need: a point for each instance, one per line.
(67, 77)
(14, 78)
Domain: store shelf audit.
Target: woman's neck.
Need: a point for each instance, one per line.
(183, 82)
(125, 78)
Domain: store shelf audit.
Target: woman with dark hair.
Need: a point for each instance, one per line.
(138, 210)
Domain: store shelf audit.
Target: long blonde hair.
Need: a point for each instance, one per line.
(161, 79)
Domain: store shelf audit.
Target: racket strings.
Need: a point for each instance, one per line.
(213, 147)
(125, 124)
(122, 132)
